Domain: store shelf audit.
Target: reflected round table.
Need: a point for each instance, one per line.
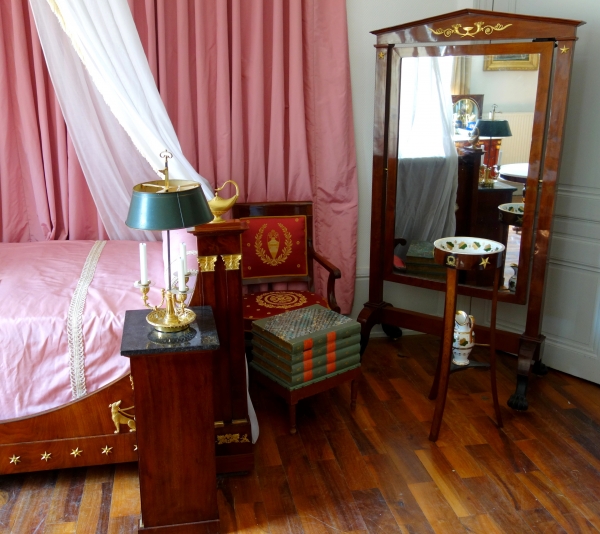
(463, 254)
(515, 172)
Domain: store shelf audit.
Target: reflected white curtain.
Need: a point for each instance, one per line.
(110, 102)
(427, 159)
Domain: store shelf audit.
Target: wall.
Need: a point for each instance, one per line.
(511, 91)
(572, 298)
(572, 307)
(363, 17)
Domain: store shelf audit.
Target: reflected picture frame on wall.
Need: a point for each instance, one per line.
(512, 62)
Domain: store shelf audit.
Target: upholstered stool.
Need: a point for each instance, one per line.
(463, 254)
(268, 303)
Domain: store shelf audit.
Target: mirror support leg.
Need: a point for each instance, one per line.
(369, 316)
(530, 350)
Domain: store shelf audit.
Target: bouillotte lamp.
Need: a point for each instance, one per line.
(167, 205)
(492, 128)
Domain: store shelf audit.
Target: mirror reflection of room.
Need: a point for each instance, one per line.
(462, 119)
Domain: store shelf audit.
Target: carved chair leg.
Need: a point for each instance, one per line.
(446, 355)
(436, 380)
(353, 394)
(292, 417)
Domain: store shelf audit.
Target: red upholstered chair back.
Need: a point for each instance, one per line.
(275, 248)
(278, 247)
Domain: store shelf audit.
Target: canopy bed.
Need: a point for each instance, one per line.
(461, 203)
(66, 398)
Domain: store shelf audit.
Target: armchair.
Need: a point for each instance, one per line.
(278, 247)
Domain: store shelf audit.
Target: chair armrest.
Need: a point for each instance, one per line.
(334, 274)
(330, 267)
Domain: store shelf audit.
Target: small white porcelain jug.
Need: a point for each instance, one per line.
(464, 338)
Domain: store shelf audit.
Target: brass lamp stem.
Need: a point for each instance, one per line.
(170, 318)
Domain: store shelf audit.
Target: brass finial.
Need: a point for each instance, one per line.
(167, 155)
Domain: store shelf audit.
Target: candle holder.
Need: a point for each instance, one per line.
(487, 176)
(174, 317)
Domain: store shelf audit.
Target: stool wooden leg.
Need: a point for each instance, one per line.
(353, 394)
(446, 356)
(292, 417)
(493, 348)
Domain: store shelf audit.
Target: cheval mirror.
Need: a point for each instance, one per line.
(469, 117)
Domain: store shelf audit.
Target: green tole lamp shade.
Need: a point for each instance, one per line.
(492, 128)
(158, 206)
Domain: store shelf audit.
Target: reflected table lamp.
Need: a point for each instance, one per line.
(492, 129)
(168, 205)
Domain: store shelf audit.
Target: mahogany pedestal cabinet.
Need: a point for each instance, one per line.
(219, 285)
(400, 53)
(172, 375)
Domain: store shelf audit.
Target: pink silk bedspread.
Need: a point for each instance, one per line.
(37, 281)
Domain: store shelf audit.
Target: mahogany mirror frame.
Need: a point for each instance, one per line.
(473, 32)
(545, 50)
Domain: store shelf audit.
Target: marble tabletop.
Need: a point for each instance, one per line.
(140, 338)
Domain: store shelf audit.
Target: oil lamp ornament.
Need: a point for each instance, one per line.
(219, 205)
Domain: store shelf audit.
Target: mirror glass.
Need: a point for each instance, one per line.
(466, 109)
(451, 182)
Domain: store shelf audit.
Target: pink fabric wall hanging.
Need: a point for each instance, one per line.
(258, 92)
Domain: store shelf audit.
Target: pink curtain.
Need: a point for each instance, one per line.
(258, 92)
(43, 193)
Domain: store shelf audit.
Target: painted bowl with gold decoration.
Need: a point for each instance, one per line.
(467, 252)
(511, 213)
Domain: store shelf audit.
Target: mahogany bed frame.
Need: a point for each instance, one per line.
(82, 432)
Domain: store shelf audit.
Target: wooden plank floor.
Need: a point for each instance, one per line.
(374, 470)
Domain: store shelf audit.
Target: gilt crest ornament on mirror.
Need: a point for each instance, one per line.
(466, 31)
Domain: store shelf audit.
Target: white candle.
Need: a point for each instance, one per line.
(143, 264)
(183, 254)
(181, 275)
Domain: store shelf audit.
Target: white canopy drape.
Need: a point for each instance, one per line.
(110, 102)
